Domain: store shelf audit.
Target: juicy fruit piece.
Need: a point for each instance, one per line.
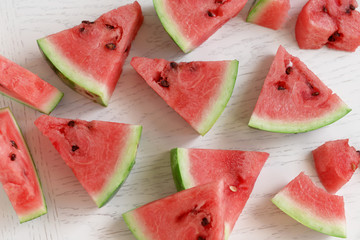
(293, 99)
(198, 91)
(269, 13)
(334, 23)
(335, 163)
(89, 57)
(18, 172)
(238, 169)
(101, 154)
(195, 213)
(189, 23)
(25, 87)
(312, 206)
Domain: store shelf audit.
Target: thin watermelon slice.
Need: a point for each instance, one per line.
(25, 87)
(335, 163)
(196, 213)
(312, 206)
(18, 172)
(89, 57)
(239, 169)
(334, 23)
(101, 154)
(269, 13)
(198, 91)
(293, 99)
(189, 23)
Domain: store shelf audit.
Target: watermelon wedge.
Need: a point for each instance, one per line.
(89, 57)
(312, 206)
(269, 13)
(198, 91)
(18, 174)
(293, 99)
(25, 87)
(189, 23)
(101, 154)
(238, 169)
(335, 163)
(334, 23)
(195, 213)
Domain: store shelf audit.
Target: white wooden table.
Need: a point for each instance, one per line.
(71, 213)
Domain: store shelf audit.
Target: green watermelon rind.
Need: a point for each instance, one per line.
(213, 113)
(256, 9)
(171, 27)
(288, 205)
(81, 82)
(122, 170)
(43, 210)
(298, 127)
(135, 226)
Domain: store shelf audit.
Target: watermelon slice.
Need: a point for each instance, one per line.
(198, 91)
(334, 23)
(312, 206)
(101, 154)
(239, 169)
(18, 172)
(89, 57)
(196, 213)
(269, 13)
(189, 23)
(25, 87)
(293, 99)
(335, 163)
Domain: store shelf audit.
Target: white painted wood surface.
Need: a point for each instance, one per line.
(71, 213)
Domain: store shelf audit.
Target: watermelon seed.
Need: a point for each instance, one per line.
(109, 26)
(352, 7)
(324, 9)
(233, 188)
(163, 82)
(127, 49)
(353, 166)
(81, 29)
(289, 70)
(173, 64)
(87, 22)
(71, 123)
(201, 238)
(210, 14)
(12, 156)
(74, 148)
(13, 143)
(111, 46)
(204, 221)
(315, 94)
(348, 10)
(310, 85)
(331, 39)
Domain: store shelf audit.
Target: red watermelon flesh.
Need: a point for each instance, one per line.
(334, 23)
(189, 23)
(312, 206)
(89, 57)
(195, 213)
(18, 172)
(293, 99)
(238, 169)
(269, 13)
(101, 154)
(335, 163)
(198, 91)
(27, 88)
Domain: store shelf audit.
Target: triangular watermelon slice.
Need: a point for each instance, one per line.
(89, 57)
(196, 213)
(101, 154)
(189, 23)
(198, 91)
(18, 172)
(293, 99)
(239, 169)
(25, 87)
(312, 206)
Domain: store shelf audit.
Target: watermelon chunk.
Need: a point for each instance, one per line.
(25, 87)
(18, 172)
(195, 213)
(89, 57)
(189, 23)
(312, 206)
(335, 163)
(239, 169)
(269, 13)
(198, 91)
(293, 99)
(334, 23)
(101, 154)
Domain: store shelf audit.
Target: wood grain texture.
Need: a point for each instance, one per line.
(71, 213)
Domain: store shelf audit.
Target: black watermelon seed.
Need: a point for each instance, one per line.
(204, 221)
(87, 22)
(109, 26)
(315, 94)
(173, 64)
(331, 38)
(12, 156)
(71, 123)
(201, 238)
(164, 83)
(210, 14)
(281, 88)
(324, 9)
(127, 49)
(74, 148)
(288, 70)
(111, 46)
(81, 29)
(13, 143)
(352, 7)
